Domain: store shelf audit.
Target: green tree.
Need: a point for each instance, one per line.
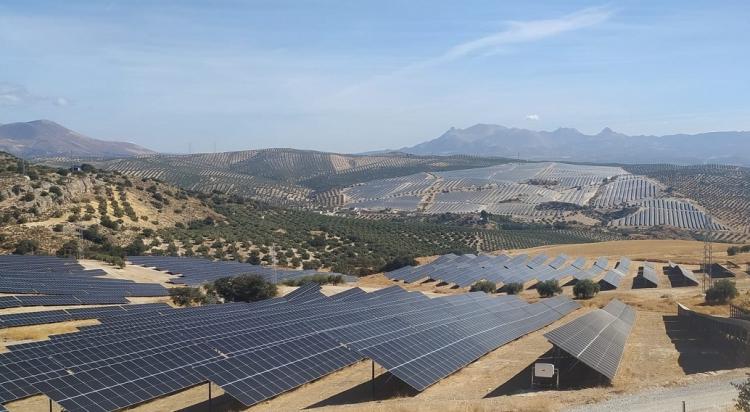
(187, 296)
(548, 288)
(26, 246)
(721, 292)
(244, 288)
(398, 262)
(485, 286)
(513, 288)
(585, 289)
(68, 249)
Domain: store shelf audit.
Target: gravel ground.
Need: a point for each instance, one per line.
(714, 395)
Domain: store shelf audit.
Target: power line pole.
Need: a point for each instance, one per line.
(707, 255)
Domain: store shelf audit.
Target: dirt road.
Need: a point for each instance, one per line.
(716, 394)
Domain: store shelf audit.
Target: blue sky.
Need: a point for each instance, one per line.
(351, 76)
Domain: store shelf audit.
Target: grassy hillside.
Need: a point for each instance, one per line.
(51, 206)
(281, 176)
(300, 238)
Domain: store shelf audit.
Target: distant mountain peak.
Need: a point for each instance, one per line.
(46, 138)
(607, 146)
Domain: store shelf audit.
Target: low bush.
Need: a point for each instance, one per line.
(721, 292)
(187, 296)
(485, 286)
(513, 288)
(548, 288)
(245, 288)
(585, 289)
(320, 279)
(26, 247)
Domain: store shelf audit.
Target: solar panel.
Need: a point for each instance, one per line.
(270, 346)
(305, 293)
(597, 338)
(611, 280)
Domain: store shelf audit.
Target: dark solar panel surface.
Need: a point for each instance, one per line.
(258, 350)
(597, 338)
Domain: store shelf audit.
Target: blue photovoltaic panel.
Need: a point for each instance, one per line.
(597, 338)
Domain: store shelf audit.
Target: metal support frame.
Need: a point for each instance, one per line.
(372, 381)
(210, 398)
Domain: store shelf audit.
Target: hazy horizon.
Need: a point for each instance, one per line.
(346, 77)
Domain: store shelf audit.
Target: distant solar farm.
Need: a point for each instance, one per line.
(534, 191)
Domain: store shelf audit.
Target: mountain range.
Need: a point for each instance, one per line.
(45, 138)
(607, 146)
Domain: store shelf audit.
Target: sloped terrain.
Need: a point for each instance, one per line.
(51, 206)
(44, 138)
(724, 191)
(282, 176)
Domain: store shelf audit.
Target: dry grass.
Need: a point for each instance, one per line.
(22, 334)
(682, 251)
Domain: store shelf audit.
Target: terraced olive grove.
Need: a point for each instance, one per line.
(299, 238)
(280, 176)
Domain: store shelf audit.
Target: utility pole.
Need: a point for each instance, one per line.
(707, 255)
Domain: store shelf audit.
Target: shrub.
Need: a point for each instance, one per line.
(399, 262)
(721, 292)
(245, 288)
(58, 227)
(28, 197)
(485, 286)
(548, 288)
(68, 249)
(320, 279)
(743, 398)
(585, 289)
(187, 296)
(26, 246)
(513, 288)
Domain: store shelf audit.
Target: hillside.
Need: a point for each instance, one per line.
(722, 190)
(44, 138)
(282, 176)
(605, 147)
(51, 206)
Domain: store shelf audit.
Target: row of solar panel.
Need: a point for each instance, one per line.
(465, 270)
(597, 338)
(59, 300)
(256, 351)
(64, 315)
(197, 271)
(49, 275)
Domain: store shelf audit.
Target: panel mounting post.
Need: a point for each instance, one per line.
(209, 396)
(372, 381)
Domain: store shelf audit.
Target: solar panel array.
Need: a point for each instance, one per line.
(465, 270)
(648, 277)
(57, 281)
(614, 277)
(197, 271)
(679, 275)
(65, 315)
(597, 338)
(258, 350)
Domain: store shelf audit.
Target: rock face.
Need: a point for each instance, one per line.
(44, 138)
(607, 146)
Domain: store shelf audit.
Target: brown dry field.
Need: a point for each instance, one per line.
(495, 382)
(680, 251)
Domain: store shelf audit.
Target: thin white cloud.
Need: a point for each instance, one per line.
(518, 32)
(16, 95)
(515, 32)
(533, 117)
